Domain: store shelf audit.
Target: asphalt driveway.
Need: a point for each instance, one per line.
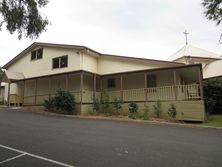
(31, 139)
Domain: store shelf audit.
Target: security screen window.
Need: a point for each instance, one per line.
(151, 81)
(111, 83)
(60, 62)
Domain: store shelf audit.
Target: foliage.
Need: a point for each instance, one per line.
(213, 120)
(172, 111)
(213, 95)
(101, 104)
(63, 102)
(146, 113)
(96, 104)
(24, 17)
(136, 115)
(213, 11)
(133, 107)
(117, 104)
(157, 109)
(49, 104)
(104, 101)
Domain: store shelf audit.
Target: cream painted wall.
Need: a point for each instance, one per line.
(43, 66)
(6, 92)
(133, 81)
(15, 88)
(109, 65)
(77, 61)
(89, 63)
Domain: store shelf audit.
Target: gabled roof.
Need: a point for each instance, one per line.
(192, 51)
(81, 48)
(38, 44)
(213, 69)
(13, 76)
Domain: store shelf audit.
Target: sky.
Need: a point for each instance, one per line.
(139, 28)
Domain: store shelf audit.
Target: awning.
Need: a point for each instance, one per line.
(11, 76)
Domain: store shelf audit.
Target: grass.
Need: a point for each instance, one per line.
(213, 120)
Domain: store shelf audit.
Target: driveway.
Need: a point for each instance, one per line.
(32, 139)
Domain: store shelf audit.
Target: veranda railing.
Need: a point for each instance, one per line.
(165, 93)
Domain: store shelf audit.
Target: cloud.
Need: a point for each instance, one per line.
(141, 28)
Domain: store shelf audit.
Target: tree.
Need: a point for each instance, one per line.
(1, 72)
(24, 17)
(213, 11)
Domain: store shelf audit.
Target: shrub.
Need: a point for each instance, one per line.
(117, 104)
(63, 102)
(146, 113)
(104, 101)
(172, 112)
(96, 104)
(133, 107)
(213, 95)
(49, 104)
(135, 115)
(157, 109)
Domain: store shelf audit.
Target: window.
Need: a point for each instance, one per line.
(55, 63)
(151, 81)
(111, 83)
(64, 60)
(37, 54)
(60, 62)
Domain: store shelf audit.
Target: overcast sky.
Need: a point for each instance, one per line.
(140, 28)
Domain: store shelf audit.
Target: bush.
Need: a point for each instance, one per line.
(104, 102)
(96, 104)
(146, 113)
(213, 95)
(157, 109)
(117, 104)
(62, 103)
(136, 115)
(49, 104)
(133, 107)
(172, 112)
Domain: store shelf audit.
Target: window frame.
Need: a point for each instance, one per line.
(111, 83)
(35, 54)
(60, 62)
(151, 81)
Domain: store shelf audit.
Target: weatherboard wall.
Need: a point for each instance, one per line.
(41, 67)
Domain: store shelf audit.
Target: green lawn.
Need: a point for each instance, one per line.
(213, 120)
